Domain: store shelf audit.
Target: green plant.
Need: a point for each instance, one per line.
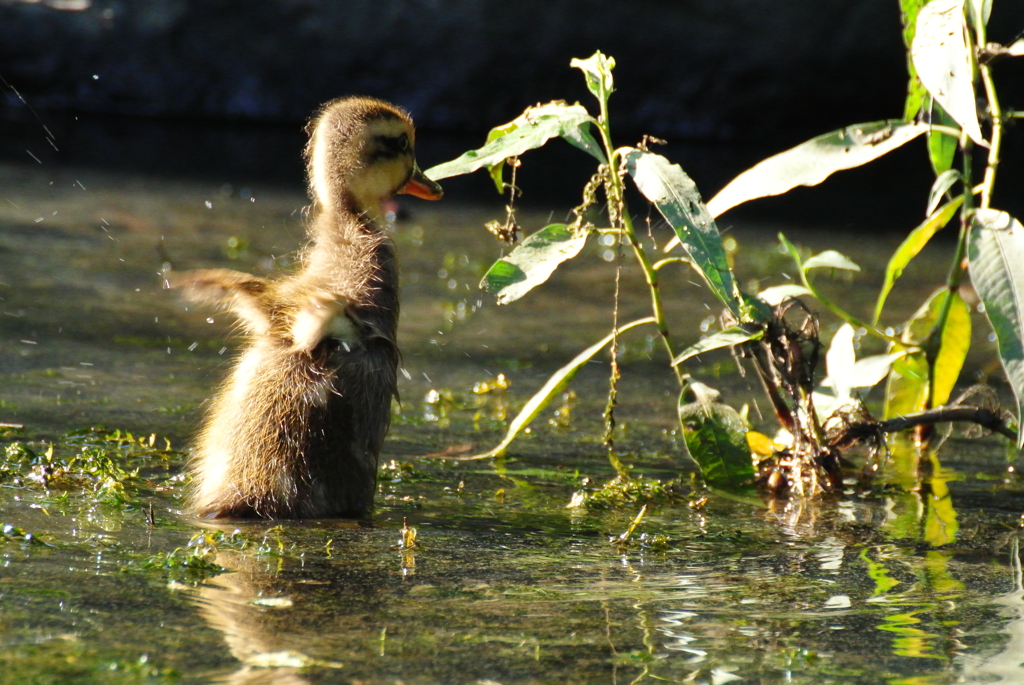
(948, 54)
(101, 465)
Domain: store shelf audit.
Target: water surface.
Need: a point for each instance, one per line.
(918, 582)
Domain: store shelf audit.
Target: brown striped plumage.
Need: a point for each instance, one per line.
(296, 429)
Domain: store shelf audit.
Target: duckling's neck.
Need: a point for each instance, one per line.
(345, 219)
(344, 254)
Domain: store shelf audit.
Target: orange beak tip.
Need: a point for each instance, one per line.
(422, 187)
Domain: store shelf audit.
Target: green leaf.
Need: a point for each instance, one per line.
(913, 245)
(996, 254)
(810, 163)
(916, 92)
(907, 389)
(532, 262)
(832, 260)
(530, 130)
(941, 147)
(778, 294)
(727, 338)
(979, 10)
(552, 387)
(582, 138)
(676, 197)
(598, 71)
(754, 310)
(917, 96)
(716, 438)
(942, 55)
(942, 184)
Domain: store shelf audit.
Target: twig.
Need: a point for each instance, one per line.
(983, 417)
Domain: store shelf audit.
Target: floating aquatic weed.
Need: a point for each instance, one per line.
(399, 472)
(196, 561)
(620, 492)
(103, 467)
(12, 533)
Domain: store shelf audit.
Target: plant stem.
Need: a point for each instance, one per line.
(651, 277)
(669, 260)
(997, 136)
(620, 215)
(848, 318)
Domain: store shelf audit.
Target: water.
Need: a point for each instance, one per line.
(506, 584)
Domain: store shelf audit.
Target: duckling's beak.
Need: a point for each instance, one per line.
(420, 186)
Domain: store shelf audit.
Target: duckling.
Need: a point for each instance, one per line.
(296, 428)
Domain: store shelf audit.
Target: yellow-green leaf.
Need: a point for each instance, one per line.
(554, 385)
(908, 386)
(913, 245)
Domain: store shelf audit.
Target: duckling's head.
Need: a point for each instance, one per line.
(361, 151)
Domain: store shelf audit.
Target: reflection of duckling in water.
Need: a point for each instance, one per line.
(296, 429)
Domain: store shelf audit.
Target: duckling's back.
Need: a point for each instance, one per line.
(296, 433)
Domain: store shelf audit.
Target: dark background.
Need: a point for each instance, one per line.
(219, 89)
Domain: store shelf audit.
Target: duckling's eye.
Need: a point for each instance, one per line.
(393, 146)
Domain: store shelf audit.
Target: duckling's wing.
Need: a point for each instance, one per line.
(241, 293)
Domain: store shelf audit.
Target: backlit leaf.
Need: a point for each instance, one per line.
(832, 260)
(941, 52)
(532, 262)
(996, 254)
(907, 389)
(943, 183)
(777, 294)
(554, 385)
(913, 245)
(598, 71)
(810, 163)
(727, 338)
(530, 130)
(980, 10)
(676, 197)
(839, 361)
